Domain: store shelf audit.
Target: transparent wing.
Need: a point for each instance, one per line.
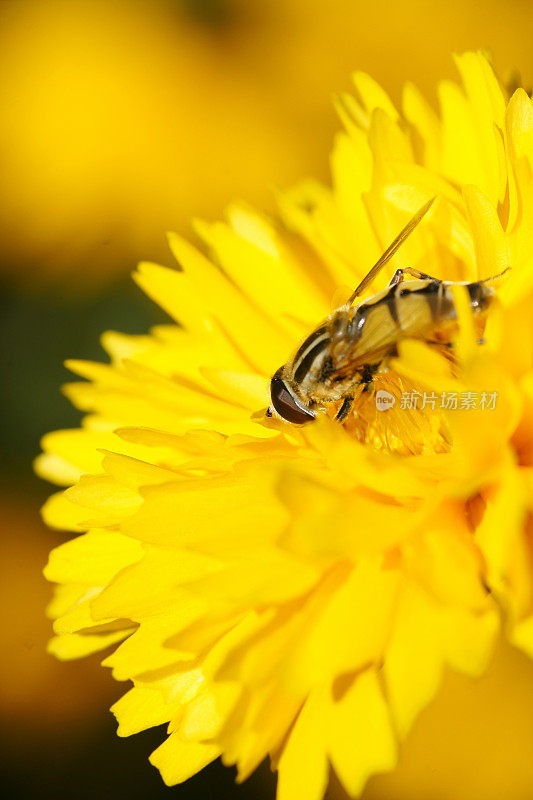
(391, 249)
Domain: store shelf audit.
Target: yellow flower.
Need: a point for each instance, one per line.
(298, 592)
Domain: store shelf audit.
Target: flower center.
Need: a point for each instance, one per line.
(399, 416)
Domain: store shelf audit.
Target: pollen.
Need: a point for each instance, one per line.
(398, 416)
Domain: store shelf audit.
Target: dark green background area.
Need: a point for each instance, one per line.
(38, 332)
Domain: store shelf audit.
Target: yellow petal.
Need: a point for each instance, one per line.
(134, 593)
(244, 389)
(489, 240)
(176, 514)
(303, 766)
(420, 114)
(486, 106)
(372, 95)
(92, 559)
(361, 739)
(204, 716)
(252, 254)
(426, 637)
(104, 499)
(502, 540)
(265, 346)
(59, 512)
(178, 760)
(70, 646)
(141, 708)
(145, 649)
(364, 603)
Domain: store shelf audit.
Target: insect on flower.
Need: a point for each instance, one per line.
(341, 356)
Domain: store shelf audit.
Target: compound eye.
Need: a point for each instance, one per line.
(284, 402)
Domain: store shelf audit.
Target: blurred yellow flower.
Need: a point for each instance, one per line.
(116, 115)
(292, 592)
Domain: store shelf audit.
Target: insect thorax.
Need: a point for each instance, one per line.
(321, 369)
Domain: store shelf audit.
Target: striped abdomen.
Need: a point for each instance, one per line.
(333, 356)
(408, 309)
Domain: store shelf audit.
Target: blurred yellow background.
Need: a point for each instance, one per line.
(122, 120)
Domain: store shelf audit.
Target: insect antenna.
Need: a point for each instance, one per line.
(496, 277)
(391, 249)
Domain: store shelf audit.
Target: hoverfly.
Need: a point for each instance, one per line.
(355, 342)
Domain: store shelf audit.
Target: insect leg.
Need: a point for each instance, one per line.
(400, 274)
(344, 410)
(367, 374)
